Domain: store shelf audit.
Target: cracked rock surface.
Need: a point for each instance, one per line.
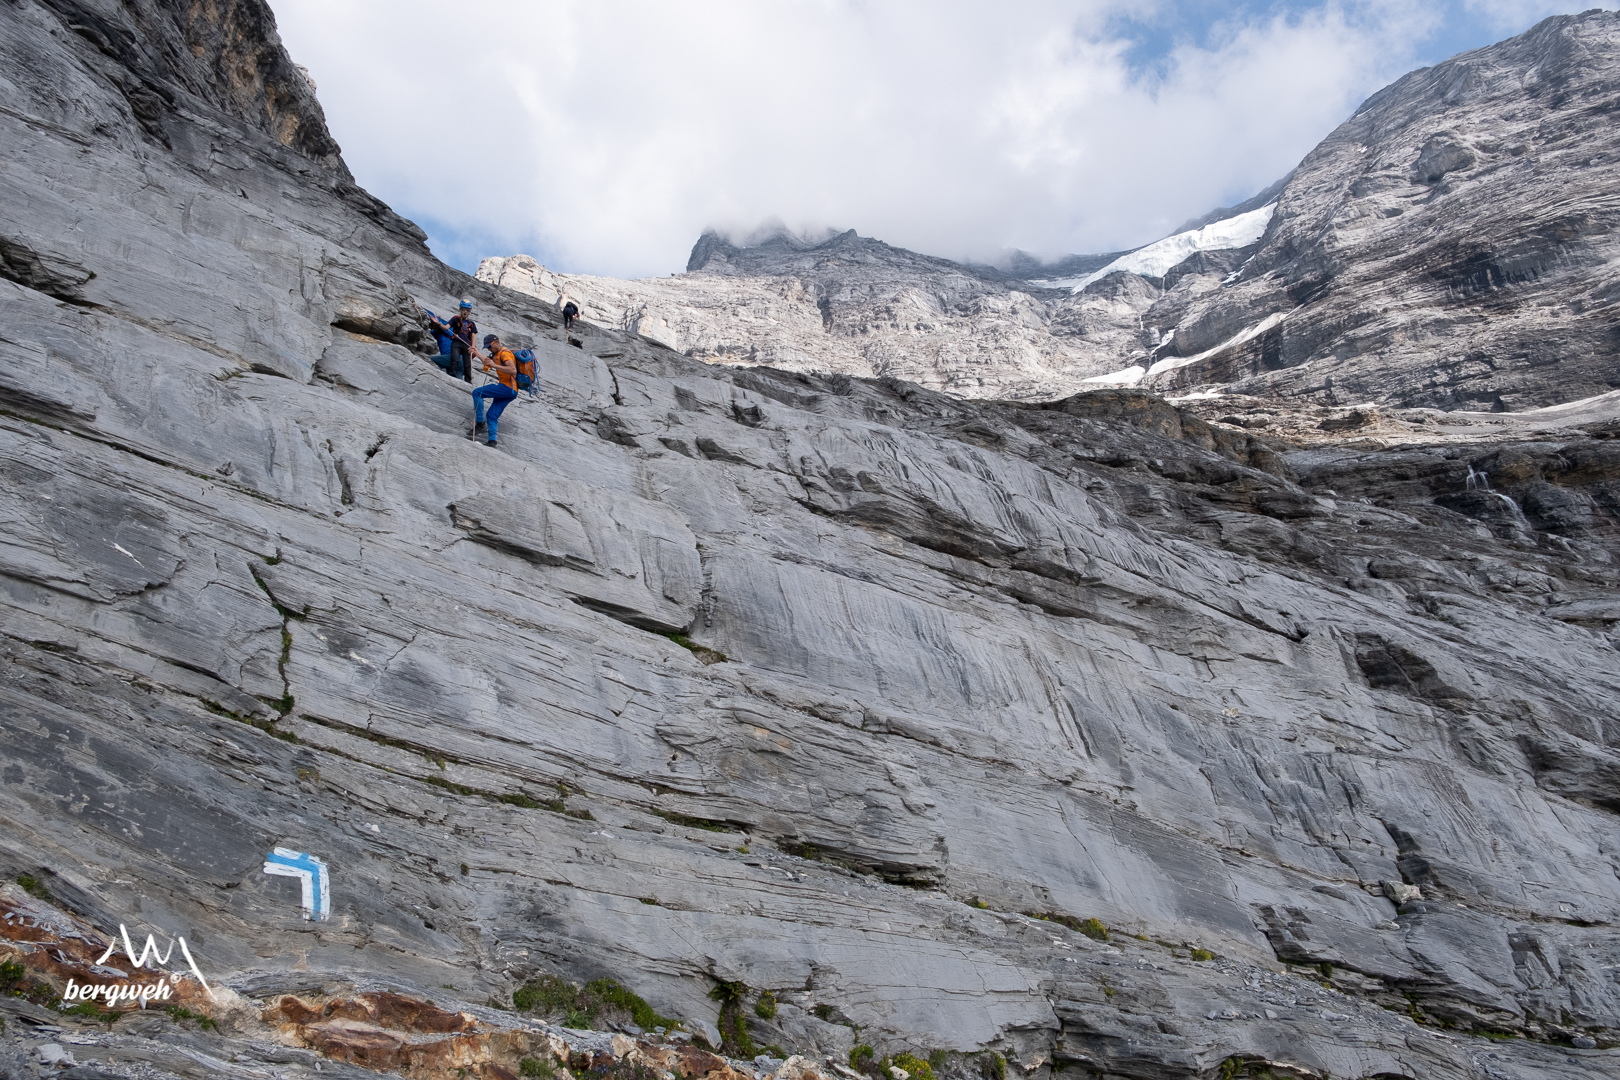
(841, 689)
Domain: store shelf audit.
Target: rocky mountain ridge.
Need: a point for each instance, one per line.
(812, 712)
(1451, 245)
(847, 305)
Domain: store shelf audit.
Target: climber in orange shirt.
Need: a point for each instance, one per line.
(503, 365)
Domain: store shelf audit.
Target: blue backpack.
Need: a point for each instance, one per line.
(525, 368)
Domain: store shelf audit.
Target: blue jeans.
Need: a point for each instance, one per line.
(498, 393)
(444, 361)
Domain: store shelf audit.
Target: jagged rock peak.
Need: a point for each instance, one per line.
(225, 53)
(778, 251)
(772, 238)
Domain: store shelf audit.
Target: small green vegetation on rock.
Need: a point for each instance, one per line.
(1412, 1009)
(177, 1013)
(537, 1067)
(1092, 928)
(1202, 955)
(15, 982)
(706, 824)
(860, 1057)
(447, 785)
(34, 887)
(547, 994)
(91, 1011)
(702, 653)
(727, 992)
(998, 1067)
(734, 1035)
(583, 1007)
(765, 1007)
(916, 1066)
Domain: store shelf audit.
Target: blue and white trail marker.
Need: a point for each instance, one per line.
(283, 862)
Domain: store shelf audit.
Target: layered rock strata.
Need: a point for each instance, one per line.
(742, 681)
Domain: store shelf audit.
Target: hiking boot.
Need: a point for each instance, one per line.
(492, 442)
(481, 427)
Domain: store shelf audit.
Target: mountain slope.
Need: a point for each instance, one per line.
(1452, 245)
(719, 682)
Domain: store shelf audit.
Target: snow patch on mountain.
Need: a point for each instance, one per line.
(1155, 259)
(1128, 377)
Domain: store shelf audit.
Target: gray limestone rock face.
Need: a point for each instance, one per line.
(842, 689)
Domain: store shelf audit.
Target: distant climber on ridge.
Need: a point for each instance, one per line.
(570, 312)
(500, 393)
(463, 333)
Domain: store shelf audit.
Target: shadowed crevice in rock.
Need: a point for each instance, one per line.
(25, 266)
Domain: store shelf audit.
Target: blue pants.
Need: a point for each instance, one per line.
(445, 361)
(498, 393)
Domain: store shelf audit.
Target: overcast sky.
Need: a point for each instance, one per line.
(603, 136)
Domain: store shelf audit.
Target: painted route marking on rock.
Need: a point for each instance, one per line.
(310, 871)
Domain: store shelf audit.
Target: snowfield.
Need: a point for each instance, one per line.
(1155, 259)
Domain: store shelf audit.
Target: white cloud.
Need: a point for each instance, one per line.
(604, 135)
